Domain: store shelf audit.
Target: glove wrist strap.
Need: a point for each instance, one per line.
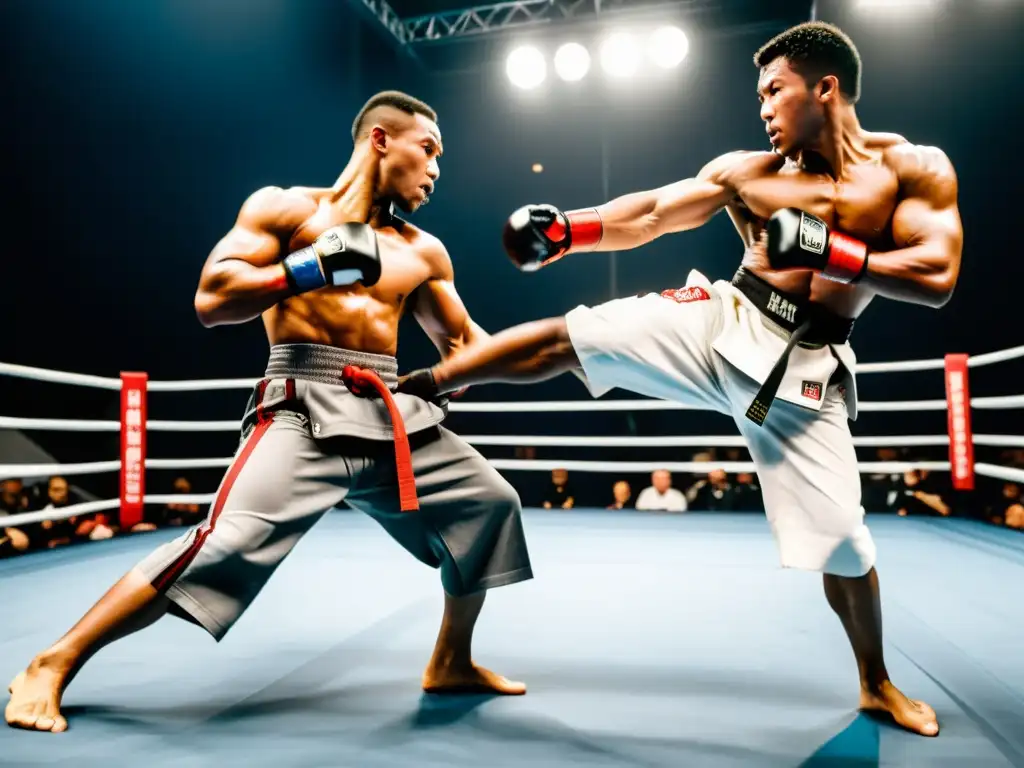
(585, 229)
(302, 268)
(847, 259)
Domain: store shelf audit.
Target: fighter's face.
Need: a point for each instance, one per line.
(408, 166)
(792, 112)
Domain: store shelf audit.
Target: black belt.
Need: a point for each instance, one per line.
(807, 322)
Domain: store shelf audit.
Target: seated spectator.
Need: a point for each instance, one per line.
(747, 493)
(997, 511)
(713, 493)
(57, 533)
(13, 501)
(880, 488)
(661, 496)
(1015, 516)
(919, 494)
(559, 494)
(622, 493)
(183, 513)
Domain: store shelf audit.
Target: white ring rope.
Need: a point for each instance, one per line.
(107, 382)
(89, 507)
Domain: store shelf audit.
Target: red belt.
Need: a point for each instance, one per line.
(363, 382)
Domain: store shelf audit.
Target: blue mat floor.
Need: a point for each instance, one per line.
(645, 640)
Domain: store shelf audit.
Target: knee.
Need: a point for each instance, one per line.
(502, 497)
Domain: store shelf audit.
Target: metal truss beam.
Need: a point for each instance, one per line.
(387, 22)
(499, 17)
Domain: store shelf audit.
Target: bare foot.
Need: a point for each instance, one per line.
(913, 715)
(469, 679)
(35, 699)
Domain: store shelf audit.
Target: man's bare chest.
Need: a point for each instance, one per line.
(860, 204)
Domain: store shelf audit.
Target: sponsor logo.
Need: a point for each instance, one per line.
(812, 390)
(812, 234)
(782, 308)
(687, 294)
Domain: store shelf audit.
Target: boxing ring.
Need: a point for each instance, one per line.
(645, 640)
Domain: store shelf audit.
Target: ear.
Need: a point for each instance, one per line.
(379, 139)
(828, 88)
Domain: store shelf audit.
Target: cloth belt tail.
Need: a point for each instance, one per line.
(758, 410)
(362, 382)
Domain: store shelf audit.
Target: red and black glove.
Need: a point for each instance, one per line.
(798, 240)
(537, 235)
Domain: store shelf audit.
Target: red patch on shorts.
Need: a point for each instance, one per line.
(812, 390)
(687, 294)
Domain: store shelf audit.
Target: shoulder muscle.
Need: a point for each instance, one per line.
(924, 172)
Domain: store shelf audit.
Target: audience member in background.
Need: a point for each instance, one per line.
(919, 494)
(1015, 516)
(56, 533)
(997, 510)
(747, 493)
(13, 501)
(713, 493)
(880, 489)
(559, 494)
(183, 513)
(661, 496)
(622, 493)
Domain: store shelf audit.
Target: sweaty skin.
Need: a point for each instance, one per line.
(243, 279)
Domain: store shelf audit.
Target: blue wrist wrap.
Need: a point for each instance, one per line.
(303, 270)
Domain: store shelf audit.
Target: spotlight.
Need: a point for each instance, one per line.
(572, 62)
(537, 168)
(526, 67)
(669, 47)
(619, 55)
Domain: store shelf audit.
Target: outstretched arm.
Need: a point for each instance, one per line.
(243, 275)
(638, 218)
(537, 235)
(927, 231)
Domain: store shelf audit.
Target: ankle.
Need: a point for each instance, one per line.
(57, 659)
(875, 685)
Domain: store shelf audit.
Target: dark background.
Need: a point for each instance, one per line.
(131, 133)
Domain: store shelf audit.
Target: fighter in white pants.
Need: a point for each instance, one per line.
(831, 218)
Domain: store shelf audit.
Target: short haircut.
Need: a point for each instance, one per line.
(817, 49)
(395, 99)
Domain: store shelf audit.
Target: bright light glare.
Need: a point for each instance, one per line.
(525, 67)
(572, 62)
(620, 55)
(668, 47)
(896, 5)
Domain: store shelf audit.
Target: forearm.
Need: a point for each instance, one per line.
(234, 291)
(920, 274)
(627, 222)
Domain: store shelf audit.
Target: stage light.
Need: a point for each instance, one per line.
(572, 62)
(897, 5)
(619, 55)
(525, 67)
(537, 168)
(668, 47)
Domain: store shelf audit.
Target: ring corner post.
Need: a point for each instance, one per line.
(958, 412)
(133, 447)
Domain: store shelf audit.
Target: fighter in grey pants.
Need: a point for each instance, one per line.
(309, 445)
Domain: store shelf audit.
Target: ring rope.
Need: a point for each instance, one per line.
(551, 406)
(107, 382)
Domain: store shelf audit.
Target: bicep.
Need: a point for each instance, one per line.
(928, 212)
(439, 309)
(692, 202)
(255, 237)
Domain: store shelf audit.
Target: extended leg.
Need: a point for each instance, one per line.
(523, 354)
(130, 605)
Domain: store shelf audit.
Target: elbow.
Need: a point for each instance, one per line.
(941, 291)
(208, 306)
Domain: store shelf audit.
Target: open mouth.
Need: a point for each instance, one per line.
(428, 189)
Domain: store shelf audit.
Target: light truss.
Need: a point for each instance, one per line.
(385, 16)
(498, 17)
